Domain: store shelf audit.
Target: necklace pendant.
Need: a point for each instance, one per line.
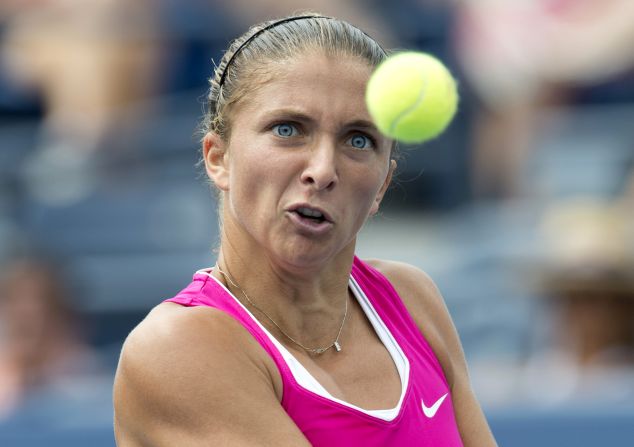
(337, 346)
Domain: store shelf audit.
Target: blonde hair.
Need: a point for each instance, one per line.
(244, 65)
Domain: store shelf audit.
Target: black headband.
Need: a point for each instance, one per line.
(273, 25)
(256, 34)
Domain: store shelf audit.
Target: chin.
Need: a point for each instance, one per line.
(300, 262)
(302, 257)
(309, 256)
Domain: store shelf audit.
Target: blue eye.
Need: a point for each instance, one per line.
(360, 141)
(285, 130)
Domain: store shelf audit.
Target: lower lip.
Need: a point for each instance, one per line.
(308, 225)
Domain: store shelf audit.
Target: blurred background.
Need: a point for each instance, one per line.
(523, 211)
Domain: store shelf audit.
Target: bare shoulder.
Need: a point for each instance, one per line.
(170, 329)
(424, 302)
(190, 376)
(411, 279)
(427, 307)
(171, 332)
(172, 337)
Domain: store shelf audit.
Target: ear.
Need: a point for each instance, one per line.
(381, 193)
(216, 160)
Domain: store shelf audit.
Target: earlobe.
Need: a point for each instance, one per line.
(381, 193)
(215, 157)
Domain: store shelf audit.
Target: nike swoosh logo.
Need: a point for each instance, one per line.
(430, 412)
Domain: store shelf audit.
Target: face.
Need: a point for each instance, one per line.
(304, 166)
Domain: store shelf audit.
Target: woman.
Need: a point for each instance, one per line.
(41, 345)
(290, 339)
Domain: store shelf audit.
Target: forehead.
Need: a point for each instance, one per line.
(315, 81)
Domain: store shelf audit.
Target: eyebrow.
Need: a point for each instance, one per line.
(362, 124)
(289, 113)
(298, 115)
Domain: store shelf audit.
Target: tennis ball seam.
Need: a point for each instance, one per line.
(411, 97)
(411, 108)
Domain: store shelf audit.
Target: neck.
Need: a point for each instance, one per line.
(307, 302)
(292, 275)
(261, 276)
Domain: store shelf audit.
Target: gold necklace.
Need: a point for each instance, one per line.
(335, 344)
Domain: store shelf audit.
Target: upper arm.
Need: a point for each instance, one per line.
(426, 305)
(194, 380)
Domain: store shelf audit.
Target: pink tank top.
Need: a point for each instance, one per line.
(426, 415)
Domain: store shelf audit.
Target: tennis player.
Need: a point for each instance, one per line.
(291, 339)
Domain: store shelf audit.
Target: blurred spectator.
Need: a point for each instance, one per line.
(40, 342)
(521, 56)
(590, 278)
(88, 61)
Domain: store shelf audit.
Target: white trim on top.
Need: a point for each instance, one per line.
(306, 380)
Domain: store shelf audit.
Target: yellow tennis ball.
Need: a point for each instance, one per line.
(411, 97)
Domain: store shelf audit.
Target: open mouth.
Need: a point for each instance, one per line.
(311, 214)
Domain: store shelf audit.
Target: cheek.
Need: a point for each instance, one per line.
(256, 175)
(373, 180)
(364, 192)
(244, 164)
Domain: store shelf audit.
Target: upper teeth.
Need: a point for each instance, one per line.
(309, 212)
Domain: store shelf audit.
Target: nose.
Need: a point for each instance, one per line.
(320, 171)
